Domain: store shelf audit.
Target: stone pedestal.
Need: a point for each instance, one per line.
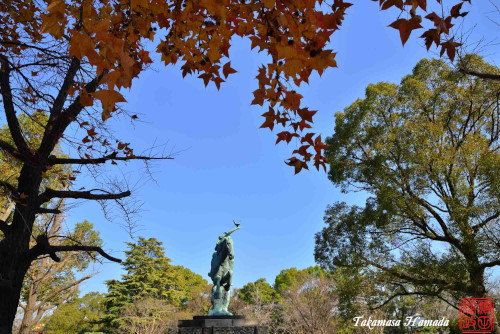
(225, 324)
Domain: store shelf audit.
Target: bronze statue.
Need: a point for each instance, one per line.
(221, 272)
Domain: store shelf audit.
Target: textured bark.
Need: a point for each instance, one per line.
(15, 246)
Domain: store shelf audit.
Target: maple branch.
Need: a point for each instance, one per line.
(43, 247)
(81, 248)
(3, 226)
(48, 194)
(489, 76)
(58, 122)
(47, 210)
(113, 156)
(10, 113)
(8, 186)
(10, 149)
(63, 91)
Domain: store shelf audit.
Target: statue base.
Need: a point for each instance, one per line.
(220, 324)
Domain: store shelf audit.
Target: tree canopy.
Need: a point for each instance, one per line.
(48, 284)
(426, 152)
(80, 315)
(70, 59)
(149, 274)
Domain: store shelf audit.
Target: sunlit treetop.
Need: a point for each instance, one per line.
(69, 57)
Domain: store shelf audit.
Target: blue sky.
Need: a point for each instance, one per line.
(227, 168)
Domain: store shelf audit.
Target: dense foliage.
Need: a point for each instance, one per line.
(149, 274)
(427, 153)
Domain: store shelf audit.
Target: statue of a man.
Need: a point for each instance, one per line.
(221, 273)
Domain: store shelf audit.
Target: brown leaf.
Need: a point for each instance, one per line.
(405, 27)
(226, 69)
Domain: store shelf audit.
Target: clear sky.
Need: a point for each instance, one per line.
(227, 168)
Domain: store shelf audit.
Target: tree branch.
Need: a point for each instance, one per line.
(489, 76)
(9, 186)
(490, 264)
(47, 210)
(58, 124)
(10, 149)
(10, 113)
(449, 238)
(82, 248)
(63, 91)
(63, 288)
(43, 247)
(405, 293)
(3, 226)
(486, 221)
(48, 194)
(113, 156)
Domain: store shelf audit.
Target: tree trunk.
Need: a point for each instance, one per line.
(14, 247)
(27, 322)
(25, 327)
(13, 270)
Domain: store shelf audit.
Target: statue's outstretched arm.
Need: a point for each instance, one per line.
(234, 229)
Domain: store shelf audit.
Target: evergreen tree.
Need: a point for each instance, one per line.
(149, 274)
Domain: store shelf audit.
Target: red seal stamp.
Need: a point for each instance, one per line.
(477, 315)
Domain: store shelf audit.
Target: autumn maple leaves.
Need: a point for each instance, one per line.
(442, 23)
(109, 36)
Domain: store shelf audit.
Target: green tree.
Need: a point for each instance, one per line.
(79, 316)
(288, 278)
(150, 274)
(57, 177)
(47, 283)
(309, 301)
(426, 152)
(66, 56)
(257, 292)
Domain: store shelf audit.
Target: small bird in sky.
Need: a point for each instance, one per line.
(236, 224)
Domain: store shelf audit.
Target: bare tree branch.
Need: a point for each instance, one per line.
(47, 210)
(9, 186)
(3, 226)
(10, 149)
(10, 113)
(57, 125)
(82, 248)
(63, 91)
(113, 156)
(48, 194)
(43, 247)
